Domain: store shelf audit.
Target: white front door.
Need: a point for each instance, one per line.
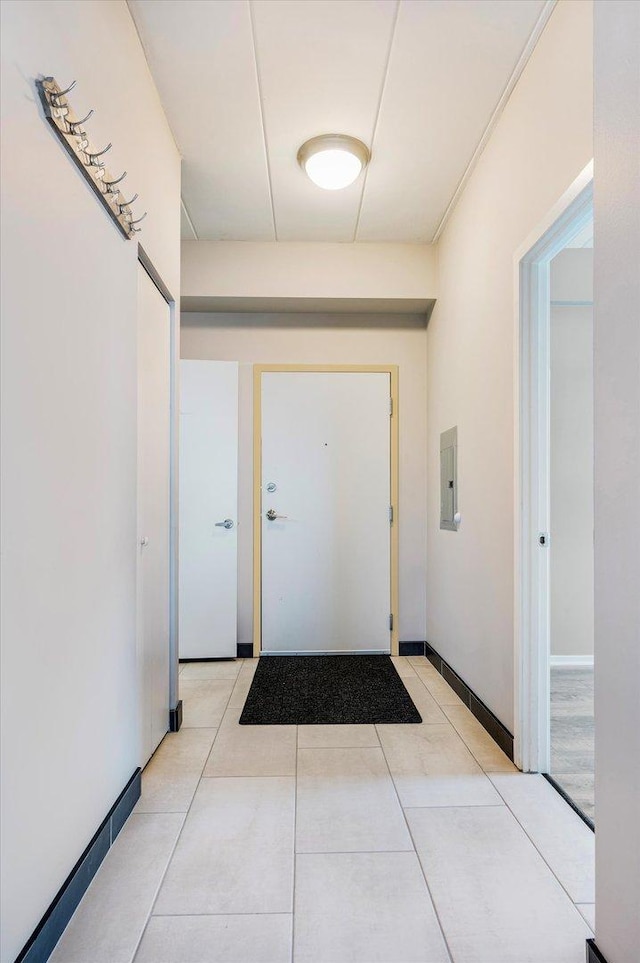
(208, 543)
(154, 460)
(326, 477)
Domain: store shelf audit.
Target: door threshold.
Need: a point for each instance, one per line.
(328, 652)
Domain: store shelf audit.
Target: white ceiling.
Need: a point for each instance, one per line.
(245, 82)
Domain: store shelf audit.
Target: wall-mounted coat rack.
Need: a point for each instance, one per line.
(72, 135)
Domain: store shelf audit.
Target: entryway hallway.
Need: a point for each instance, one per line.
(322, 844)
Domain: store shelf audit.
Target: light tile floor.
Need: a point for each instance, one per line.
(323, 844)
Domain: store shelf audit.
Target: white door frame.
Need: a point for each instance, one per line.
(258, 370)
(174, 354)
(532, 487)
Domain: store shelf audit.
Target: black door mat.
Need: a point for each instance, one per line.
(327, 690)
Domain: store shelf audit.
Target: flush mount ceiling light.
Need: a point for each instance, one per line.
(333, 161)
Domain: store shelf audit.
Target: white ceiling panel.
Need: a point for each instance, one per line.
(202, 59)
(450, 62)
(321, 66)
(245, 82)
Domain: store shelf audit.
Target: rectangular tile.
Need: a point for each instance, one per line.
(172, 774)
(217, 939)
(431, 766)
(346, 802)
(563, 839)
(486, 751)
(235, 853)
(439, 689)
(424, 701)
(252, 750)
(416, 660)
(403, 666)
(204, 701)
(227, 669)
(242, 685)
(109, 921)
(364, 908)
(337, 737)
(497, 901)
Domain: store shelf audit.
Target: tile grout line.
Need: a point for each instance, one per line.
(413, 843)
(470, 748)
(173, 916)
(295, 850)
(537, 849)
(179, 836)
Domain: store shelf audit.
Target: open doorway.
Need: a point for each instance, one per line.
(554, 499)
(571, 581)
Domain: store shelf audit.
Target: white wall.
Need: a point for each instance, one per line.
(69, 288)
(330, 339)
(571, 448)
(539, 146)
(617, 477)
(253, 270)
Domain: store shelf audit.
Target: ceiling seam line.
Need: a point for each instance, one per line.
(262, 118)
(185, 210)
(376, 121)
(517, 72)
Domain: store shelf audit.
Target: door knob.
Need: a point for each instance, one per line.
(272, 515)
(227, 523)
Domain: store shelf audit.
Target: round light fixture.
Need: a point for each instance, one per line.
(333, 161)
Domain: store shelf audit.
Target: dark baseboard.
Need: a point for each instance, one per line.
(40, 945)
(411, 648)
(558, 788)
(498, 732)
(244, 650)
(175, 717)
(224, 658)
(593, 953)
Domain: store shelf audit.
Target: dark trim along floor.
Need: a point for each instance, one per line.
(498, 732)
(593, 953)
(175, 717)
(40, 945)
(558, 788)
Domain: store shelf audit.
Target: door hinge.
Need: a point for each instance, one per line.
(391, 406)
(391, 623)
(391, 514)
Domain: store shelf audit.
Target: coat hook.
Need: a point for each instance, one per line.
(93, 156)
(127, 203)
(111, 184)
(57, 94)
(74, 124)
(131, 224)
(99, 153)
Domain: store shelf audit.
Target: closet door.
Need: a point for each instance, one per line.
(154, 458)
(208, 509)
